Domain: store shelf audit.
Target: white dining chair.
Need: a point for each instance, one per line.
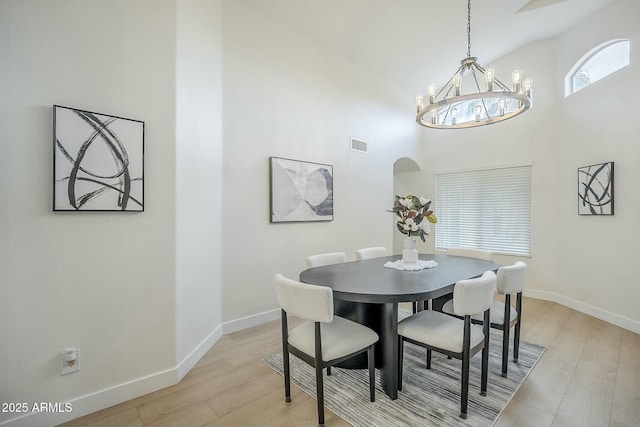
(510, 280)
(326, 259)
(471, 253)
(324, 339)
(372, 252)
(454, 337)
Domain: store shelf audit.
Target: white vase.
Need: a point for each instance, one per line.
(410, 253)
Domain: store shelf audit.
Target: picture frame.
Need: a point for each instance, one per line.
(300, 191)
(595, 189)
(98, 161)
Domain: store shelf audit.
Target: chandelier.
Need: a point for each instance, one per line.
(450, 108)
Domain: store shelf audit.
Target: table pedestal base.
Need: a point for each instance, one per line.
(369, 315)
(382, 318)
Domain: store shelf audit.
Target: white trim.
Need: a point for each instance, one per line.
(598, 313)
(102, 399)
(250, 321)
(190, 361)
(98, 400)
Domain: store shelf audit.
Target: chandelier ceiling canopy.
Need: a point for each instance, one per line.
(451, 108)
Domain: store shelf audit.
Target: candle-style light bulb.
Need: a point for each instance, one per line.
(432, 92)
(419, 102)
(516, 76)
(454, 116)
(527, 85)
(501, 105)
(457, 79)
(490, 75)
(478, 109)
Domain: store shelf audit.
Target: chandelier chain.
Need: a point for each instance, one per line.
(469, 29)
(466, 109)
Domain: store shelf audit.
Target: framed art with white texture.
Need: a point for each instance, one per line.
(300, 190)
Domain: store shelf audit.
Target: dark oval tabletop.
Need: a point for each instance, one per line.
(369, 281)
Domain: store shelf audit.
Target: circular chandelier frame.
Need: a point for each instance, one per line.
(440, 110)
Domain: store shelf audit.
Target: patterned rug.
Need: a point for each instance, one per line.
(428, 398)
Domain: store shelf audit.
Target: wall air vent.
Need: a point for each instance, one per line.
(359, 146)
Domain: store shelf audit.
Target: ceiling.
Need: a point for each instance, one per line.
(415, 42)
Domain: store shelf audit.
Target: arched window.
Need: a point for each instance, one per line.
(597, 64)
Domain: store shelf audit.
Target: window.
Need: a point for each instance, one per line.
(486, 209)
(602, 61)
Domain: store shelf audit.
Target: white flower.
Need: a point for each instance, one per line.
(408, 203)
(411, 210)
(410, 224)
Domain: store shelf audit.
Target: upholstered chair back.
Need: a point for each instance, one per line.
(511, 278)
(309, 302)
(374, 252)
(472, 296)
(326, 259)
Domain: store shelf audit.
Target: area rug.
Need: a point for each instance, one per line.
(428, 398)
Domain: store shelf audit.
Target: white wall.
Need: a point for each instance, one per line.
(600, 124)
(198, 180)
(582, 262)
(104, 282)
(287, 97)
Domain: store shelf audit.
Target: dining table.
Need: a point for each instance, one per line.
(369, 293)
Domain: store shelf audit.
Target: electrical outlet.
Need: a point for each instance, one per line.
(70, 360)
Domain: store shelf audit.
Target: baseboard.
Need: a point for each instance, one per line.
(97, 400)
(102, 399)
(250, 321)
(190, 361)
(106, 398)
(598, 313)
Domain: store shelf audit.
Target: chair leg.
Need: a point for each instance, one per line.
(287, 376)
(371, 355)
(285, 358)
(485, 354)
(400, 360)
(505, 334)
(328, 370)
(320, 392)
(464, 381)
(516, 332)
(428, 359)
(319, 378)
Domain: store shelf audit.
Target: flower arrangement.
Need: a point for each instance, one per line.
(412, 211)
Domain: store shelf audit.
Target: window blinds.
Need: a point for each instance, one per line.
(486, 209)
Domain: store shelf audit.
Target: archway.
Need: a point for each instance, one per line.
(406, 179)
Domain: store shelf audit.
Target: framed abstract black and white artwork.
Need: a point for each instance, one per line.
(300, 191)
(595, 189)
(98, 162)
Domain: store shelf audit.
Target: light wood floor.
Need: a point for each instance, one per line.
(589, 376)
